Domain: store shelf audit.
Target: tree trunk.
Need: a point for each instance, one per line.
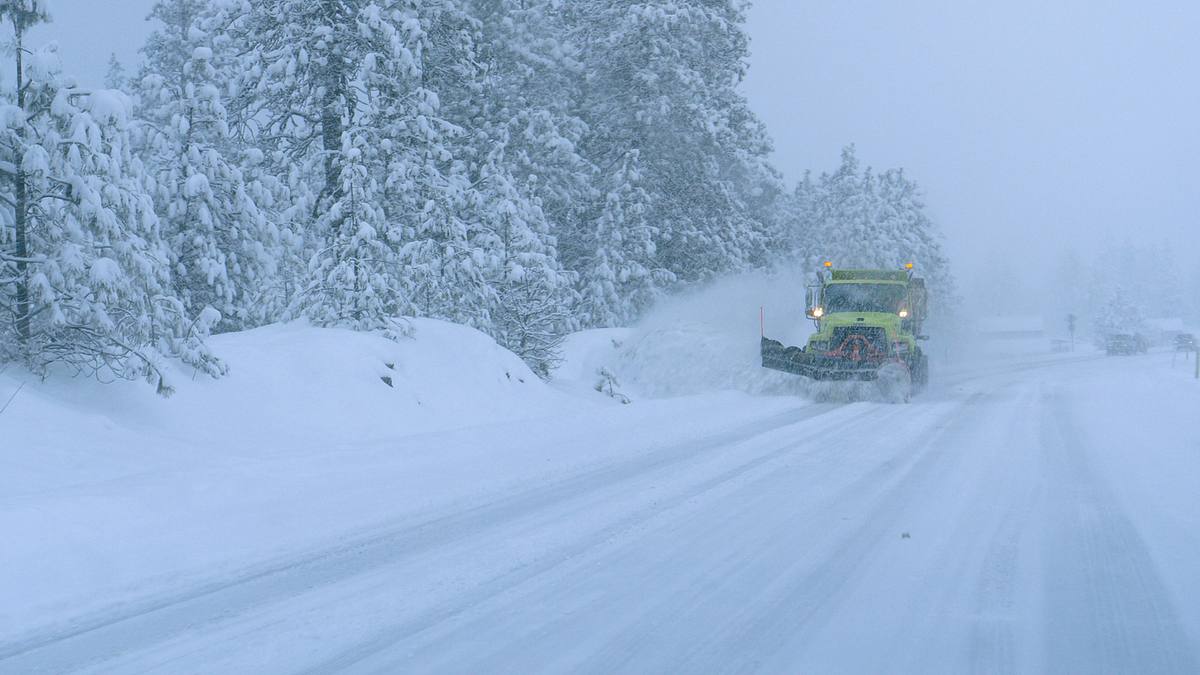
(22, 211)
(331, 116)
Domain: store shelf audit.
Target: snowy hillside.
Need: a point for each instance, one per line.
(295, 383)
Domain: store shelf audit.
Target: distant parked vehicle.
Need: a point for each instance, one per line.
(1185, 342)
(1124, 343)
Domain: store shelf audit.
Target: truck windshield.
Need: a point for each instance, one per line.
(863, 297)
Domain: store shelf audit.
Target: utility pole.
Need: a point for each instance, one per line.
(1071, 329)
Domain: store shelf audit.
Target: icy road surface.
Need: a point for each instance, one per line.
(1041, 518)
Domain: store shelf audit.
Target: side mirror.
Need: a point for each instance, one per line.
(812, 300)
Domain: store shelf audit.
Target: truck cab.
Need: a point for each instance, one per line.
(868, 322)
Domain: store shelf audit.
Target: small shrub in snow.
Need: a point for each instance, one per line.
(607, 385)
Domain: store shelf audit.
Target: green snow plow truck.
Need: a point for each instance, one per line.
(868, 329)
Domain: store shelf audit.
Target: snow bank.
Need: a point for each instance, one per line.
(322, 382)
(289, 386)
(585, 354)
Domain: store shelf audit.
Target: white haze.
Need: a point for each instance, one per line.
(1034, 127)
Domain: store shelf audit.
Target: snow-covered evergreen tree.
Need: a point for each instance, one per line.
(341, 95)
(1119, 313)
(115, 77)
(618, 277)
(523, 159)
(225, 246)
(794, 237)
(532, 89)
(857, 218)
(846, 207)
(905, 227)
(87, 282)
(661, 105)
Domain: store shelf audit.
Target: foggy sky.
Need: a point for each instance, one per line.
(1032, 125)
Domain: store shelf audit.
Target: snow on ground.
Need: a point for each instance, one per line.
(115, 493)
(1024, 514)
(104, 484)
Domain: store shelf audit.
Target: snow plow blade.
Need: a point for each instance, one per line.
(797, 361)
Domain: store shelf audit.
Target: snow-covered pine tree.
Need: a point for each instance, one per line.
(18, 254)
(435, 181)
(906, 230)
(344, 97)
(1118, 313)
(86, 282)
(616, 280)
(530, 102)
(302, 97)
(797, 240)
(534, 297)
(845, 208)
(858, 218)
(527, 296)
(115, 76)
(660, 101)
(521, 156)
(224, 244)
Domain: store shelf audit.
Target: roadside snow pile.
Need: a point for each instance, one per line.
(590, 361)
(324, 382)
(289, 385)
(703, 341)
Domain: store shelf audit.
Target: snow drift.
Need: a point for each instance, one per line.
(296, 383)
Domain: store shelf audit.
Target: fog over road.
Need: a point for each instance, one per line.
(1016, 518)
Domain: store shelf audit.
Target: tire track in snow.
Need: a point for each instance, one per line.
(630, 639)
(399, 648)
(993, 642)
(1107, 609)
(796, 610)
(389, 638)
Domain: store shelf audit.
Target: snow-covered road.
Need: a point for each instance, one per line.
(1036, 518)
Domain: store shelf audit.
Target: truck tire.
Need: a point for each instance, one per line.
(920, 372)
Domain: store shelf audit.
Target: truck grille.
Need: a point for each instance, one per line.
(860, 341)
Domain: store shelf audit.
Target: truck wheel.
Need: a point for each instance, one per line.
(920, 372)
